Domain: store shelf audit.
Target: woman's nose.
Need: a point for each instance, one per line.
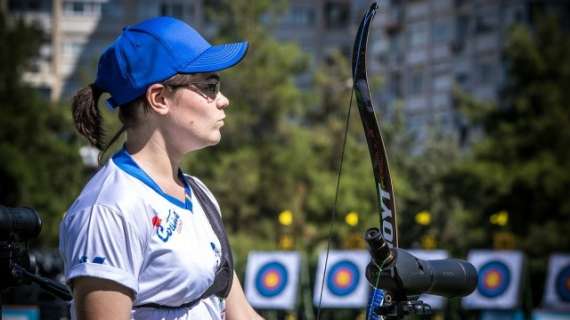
(222, 101)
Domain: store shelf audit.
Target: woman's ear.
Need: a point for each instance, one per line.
(157, 97)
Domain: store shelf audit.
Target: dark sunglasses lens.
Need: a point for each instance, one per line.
(213, 89)
(210, 89)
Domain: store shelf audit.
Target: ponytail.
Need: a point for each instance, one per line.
(86, 115)
(89, 121)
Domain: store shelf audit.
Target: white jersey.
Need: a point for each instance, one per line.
(124, 228)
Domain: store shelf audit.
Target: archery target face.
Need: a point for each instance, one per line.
(343, 278)
(342, 283)
(557, 286)
(271, 279)
(494, 279)
(562, 284)
(499, 274)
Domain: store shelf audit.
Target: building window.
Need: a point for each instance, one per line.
(442, 31)
(441, 100)
(300, 16)
(442, 5)
(34, 5)
(395, 44)
(519, 15)
(462, 79)
(72, 48)
(209, 9)
(395, 84)
(418, 34)
(337, 14)
(34, 67)
(442, 82)
(177, 9)
(29, 5)
(417, 83)
(82, 8)
(462, 27)
(487, 73)
(16, 5)
(486, 20)
(112, 9)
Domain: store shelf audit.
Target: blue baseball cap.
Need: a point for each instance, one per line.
(155, 50)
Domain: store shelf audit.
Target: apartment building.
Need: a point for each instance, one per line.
(429, 47)
(77, 31)
(75, 34)
(421, 48)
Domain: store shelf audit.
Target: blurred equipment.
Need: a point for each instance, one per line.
(21, 313)
(437, 303)
(17, 226)
(20, 224)
(404, 277)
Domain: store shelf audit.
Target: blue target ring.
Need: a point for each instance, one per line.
(271, 279)
(562, 284)
(343, 278)
(494, 279)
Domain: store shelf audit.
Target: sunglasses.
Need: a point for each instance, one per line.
(207, 88)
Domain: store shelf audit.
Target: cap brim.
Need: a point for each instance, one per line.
(217, 58)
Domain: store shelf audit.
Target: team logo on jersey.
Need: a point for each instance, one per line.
(165, 229)
(217, 253)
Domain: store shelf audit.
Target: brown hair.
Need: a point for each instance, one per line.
(89, 121)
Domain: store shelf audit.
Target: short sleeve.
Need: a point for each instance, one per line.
(99, 242)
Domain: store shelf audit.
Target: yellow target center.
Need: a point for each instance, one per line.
(493, 280)
(271, 280)
(343, 278)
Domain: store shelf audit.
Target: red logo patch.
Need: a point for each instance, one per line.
(155, 221)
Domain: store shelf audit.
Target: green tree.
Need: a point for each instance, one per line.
(521, 163)
(281, 146)
(262, 96)
(41, 167)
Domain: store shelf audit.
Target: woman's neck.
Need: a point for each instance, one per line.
(154, 156)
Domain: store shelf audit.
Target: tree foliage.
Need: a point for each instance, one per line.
(41, 167)
(521, 162)
(282, 145)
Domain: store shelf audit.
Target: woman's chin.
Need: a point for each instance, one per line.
(215, 139)
(203, 143)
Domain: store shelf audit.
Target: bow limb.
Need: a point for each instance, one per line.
(384, 190)
(376, 147)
